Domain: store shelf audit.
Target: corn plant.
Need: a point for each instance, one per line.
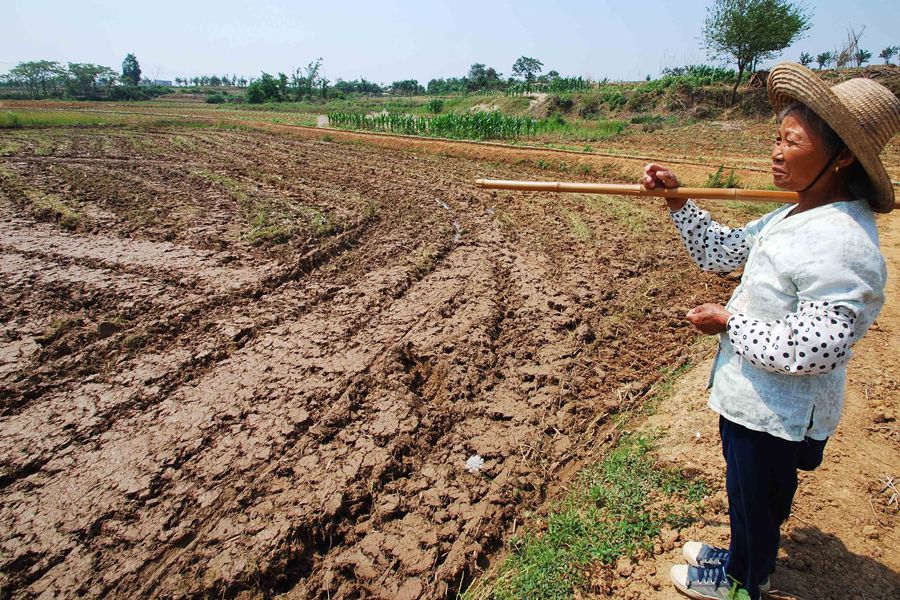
(469, 126)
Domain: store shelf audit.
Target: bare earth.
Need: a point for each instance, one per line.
(187, 413)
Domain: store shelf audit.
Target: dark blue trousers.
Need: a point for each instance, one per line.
(761, 478)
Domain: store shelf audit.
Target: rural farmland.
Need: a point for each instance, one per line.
(249, 360)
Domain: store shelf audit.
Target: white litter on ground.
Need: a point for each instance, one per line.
(474, 464)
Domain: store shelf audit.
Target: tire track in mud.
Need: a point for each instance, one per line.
(306, 434)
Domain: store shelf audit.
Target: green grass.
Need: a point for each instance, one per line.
(13, 119)
(616, 508)
(627, 214)
(581, 229)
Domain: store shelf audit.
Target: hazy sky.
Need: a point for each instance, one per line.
(387, 41)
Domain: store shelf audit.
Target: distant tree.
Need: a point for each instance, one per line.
(824, 59)
(40, 78)
(888, 53)
(407, 87)
(131, 70)
(748, 31)
(527, 68)
(86, 79)
(861, 57)
(255, 94)
(481, 77)
(806, 59)
(215, 81)
(846, 54)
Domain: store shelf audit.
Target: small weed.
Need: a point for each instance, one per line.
(584, 168)
(543, 165)
(718, 180)
(327, 138)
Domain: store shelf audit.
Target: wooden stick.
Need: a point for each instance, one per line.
(637, 189)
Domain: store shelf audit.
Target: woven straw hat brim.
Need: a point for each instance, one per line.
(790, 82)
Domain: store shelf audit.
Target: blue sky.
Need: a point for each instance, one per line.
(387, 41)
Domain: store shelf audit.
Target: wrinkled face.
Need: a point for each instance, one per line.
(798, 156)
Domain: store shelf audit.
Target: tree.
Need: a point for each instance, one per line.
(131, 70)
(806, 59)
(748, 31)
(482, 77)
(527, 68)
(255, 94)
(40, 77)
(847, 53)
(824, 59)
(861, 57)
(407, 87)
(888, 53)
(85, 79)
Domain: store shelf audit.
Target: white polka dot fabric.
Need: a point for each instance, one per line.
(815, 339)
(812, 285)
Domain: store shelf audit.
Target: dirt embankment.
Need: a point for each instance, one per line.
(186, 413)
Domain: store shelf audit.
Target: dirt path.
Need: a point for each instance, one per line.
(842, 539)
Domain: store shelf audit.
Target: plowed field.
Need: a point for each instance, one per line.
(235, 363)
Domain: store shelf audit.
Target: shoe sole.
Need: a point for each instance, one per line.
(765, 586)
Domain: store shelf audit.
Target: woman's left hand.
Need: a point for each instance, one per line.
(709, 318)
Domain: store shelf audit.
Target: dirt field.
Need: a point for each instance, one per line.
(244, 363)
(188, 413)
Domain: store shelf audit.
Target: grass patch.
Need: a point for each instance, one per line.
(9, 147)
(616, 508)
(753, 210)
(51, 207)
(623, 210)
(14, 119)
(581, 229)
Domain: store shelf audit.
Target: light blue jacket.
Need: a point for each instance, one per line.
(824, 263)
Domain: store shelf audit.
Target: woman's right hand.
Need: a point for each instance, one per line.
(658, 175)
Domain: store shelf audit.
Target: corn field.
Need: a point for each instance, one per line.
(473, 126)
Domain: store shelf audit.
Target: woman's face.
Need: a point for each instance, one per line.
(798, 155)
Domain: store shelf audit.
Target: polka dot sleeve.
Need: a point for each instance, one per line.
(815, 339)
(712, 246)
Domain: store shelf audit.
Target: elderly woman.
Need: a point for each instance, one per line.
(813, 283)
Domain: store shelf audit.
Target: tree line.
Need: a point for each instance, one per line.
(51, 79)
(739, 32)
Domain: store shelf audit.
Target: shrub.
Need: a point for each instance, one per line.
(216, 99)
(255, 94)
(435, 105)
(590, 107)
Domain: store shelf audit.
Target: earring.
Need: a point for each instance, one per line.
(837, 168)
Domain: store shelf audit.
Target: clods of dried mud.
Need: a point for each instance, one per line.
(192, 411)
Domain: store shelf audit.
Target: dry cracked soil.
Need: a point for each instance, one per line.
(237, 363)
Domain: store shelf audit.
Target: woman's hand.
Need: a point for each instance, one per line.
(658, 175)
(709, 318)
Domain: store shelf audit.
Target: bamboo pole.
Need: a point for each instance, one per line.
(636, 189)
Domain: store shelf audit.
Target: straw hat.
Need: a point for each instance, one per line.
(865, 115)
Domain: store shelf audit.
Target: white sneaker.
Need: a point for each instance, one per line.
(699, 554)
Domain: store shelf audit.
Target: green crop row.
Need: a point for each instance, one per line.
(471, 126)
